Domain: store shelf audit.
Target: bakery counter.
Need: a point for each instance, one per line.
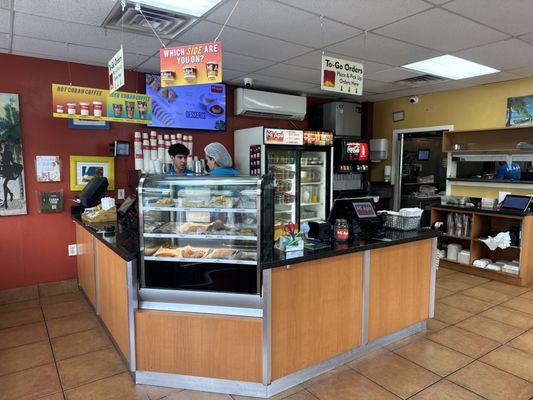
(277, 258)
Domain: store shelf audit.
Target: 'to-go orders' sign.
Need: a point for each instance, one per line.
(342, 76)
(191, 65)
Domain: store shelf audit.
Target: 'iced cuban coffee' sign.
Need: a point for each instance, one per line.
(191, 65)
(342, 76)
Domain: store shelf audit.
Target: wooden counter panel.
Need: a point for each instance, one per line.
(113, 295)
(399, 287)
(316, 311)
(85, 263)
(215, 346)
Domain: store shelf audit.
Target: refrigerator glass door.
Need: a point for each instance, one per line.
(282, 166)
(313, 185)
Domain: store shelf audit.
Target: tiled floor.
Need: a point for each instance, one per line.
(479, 346)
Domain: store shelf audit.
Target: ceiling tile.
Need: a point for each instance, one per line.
(441, 30)
(362, 14)
(242, 42)
(85, 35)
(528, 38)
(438, 2)
(151, 65)
(281, 85)
(292, 72)
(4, 41)
(382, 50)
(511, 16)
(242, 63)
(229, 74)
(504, 55)
(30, 45)
(5, 4)
(392, 75)
(313, 60)
(380, 87)
(491, 78)
(80, 11)
(283, 22)
(4, 21)
(523, 72)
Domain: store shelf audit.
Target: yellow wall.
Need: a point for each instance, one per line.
(477, 107)
(486, 191)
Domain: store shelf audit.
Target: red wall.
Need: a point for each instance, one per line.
(33, 247)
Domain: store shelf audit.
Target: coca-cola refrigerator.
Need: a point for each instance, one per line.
(301, 163)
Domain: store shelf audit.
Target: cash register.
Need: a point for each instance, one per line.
(361, 216)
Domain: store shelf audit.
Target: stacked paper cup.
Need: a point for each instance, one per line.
(173, 139)
(138, 151)
(146, 155)
(161, 149)
(153, 145)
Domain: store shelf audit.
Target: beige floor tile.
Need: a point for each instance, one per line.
(488, 295)
(396, 374)
(520, 304)
(492, 383)
(441, 292)
(22, 317)
(514, 361)
(490, 328)
(452, 284)
(449, 314)
(57, 288)
(61, 298)
(442, 272)
(24, 334)
(321, 377)
(408, 340)
(434, 325)
(24, 357)
(463, 341)
(467, 278)
(523, 342)
(509, 317)
(349, 385)
(80, 343)
(18, 294)
(58, 310)
(158, 392)
(30, 384)
(20, 305)
(118, 387)
(433, 356)
(464, 303)
(303, 395)
(72, 324)
(379, 352)
(446, 390)
(527, 295)
(80, 370)
(194, 395)
(55, 396)
(504, 288)
(283, 395)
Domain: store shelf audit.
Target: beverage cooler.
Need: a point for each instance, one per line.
(301, 164)
(351, 167)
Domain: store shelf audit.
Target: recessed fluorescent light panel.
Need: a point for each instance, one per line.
(451, 67)
(196, 8)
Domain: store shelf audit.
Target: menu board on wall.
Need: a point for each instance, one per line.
(284, 136)
(191, 65)
(342, 76)
(98, 104)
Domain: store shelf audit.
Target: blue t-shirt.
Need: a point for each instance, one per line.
(224, 171)
(173, 171)
(509, 173)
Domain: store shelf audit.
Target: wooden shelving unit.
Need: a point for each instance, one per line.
(500, 140)
(482, 223)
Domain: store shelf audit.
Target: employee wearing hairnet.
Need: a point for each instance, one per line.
(218, 159)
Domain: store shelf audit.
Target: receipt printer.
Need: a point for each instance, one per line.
(320, 230)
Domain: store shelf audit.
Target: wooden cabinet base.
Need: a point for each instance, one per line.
(214, 346)
(85, 261)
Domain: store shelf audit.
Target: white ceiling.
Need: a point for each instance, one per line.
(278, 43)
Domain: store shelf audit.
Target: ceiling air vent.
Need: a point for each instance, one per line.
(167, 24)
(421, 80)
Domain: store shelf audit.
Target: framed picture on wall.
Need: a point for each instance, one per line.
(87, 124)
(12, 186)
(84, 168)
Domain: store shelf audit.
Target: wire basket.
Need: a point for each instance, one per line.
(401, 223)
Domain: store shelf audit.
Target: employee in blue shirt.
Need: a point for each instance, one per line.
(507, 172)
(218, 159)
(178, 154)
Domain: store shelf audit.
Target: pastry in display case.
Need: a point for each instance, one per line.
(204, 233)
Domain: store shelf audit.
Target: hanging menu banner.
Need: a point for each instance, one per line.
(116, 71)
(284, 136)
(191, 65)
(98, 104)
(342, 76)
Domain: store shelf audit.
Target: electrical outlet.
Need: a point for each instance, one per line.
(72, 250)
(120, 194)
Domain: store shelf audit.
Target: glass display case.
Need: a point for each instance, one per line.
(204, 233)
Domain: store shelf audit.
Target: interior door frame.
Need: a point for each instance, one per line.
(397, 152)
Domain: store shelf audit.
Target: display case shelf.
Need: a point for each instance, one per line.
(199, 236)
(311, 204)
(201, 260)
(209, 209)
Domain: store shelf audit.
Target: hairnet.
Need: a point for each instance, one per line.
(218, 152)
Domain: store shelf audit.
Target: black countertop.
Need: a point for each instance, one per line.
(481, 180)
(484, 210)
(125, 240)
(279, 258)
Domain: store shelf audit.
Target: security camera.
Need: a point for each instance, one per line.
(413, 99)
(248, 82)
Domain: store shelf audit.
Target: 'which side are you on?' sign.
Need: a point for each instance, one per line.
(342, 76)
